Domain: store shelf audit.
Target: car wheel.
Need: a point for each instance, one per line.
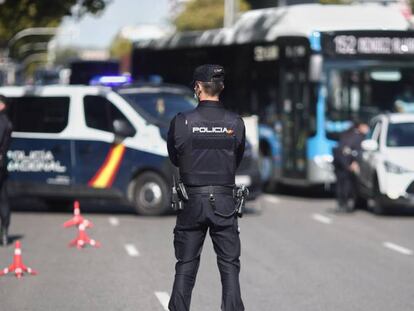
(150, 194)
(379, 207)
(360, 202)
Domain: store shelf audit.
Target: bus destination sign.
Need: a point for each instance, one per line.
(364, 45)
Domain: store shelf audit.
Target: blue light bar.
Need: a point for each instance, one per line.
(110, 80)
(315, 41)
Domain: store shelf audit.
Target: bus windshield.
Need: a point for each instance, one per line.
(159, 108)
(363, 92)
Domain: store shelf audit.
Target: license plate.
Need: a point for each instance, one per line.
(243, 180)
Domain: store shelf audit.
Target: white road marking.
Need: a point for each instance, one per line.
(398, 248)
(163, 298)
(322, 219)
(131, 250)
(271, 199)
(113, 221)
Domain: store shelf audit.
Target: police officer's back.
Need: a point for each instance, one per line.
(207, 144)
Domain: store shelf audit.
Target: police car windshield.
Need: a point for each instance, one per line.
(159, 107)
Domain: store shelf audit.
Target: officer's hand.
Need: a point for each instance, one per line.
(354, 167)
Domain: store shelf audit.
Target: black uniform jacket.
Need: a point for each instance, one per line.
(349, 148)
(210, 110)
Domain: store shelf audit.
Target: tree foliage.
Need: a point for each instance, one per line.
(120, 47)
(64, 55)
(16, 15)
(204, 14)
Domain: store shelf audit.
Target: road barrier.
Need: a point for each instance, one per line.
(77, 218)
(83, 239)
(17, 266)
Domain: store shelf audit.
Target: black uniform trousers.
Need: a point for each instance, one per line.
(192, 225)
(345, 187)
(4, 202)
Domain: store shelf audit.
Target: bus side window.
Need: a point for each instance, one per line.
(100, 113)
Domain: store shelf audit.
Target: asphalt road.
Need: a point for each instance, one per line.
(296, 255)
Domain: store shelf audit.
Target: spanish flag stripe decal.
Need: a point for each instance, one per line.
(107, 172)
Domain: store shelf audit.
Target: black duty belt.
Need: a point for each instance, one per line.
(210, 190)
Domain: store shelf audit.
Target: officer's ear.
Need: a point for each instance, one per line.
(198, 89)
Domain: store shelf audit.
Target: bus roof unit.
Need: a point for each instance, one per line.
(267, 25)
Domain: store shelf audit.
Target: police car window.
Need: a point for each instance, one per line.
(100, 113)
(39, 114)
(159, 107)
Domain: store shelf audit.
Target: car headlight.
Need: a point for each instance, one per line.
(394, 168)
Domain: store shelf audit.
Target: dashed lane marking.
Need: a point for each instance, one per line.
(163, 298)
(131, 250)
(113, 221)
(398, 248)
(322, 219)
(271, 199)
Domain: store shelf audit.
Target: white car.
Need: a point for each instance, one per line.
(387, 162)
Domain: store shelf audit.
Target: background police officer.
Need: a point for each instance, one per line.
(5, 134)
(346, 165)
(207, 144)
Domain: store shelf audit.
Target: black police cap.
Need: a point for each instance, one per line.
(209, 73)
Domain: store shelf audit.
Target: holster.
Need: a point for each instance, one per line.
(178, 196)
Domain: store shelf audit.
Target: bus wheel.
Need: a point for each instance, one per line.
(150, 194)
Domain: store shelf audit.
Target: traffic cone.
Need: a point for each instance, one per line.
(17, 266)
(83, 239)
(77, 218)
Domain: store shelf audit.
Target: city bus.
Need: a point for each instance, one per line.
(307, 71)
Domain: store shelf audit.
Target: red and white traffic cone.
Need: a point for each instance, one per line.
(77, 218)
(17, 266)
(83, 239)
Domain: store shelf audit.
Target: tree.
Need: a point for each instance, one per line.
(16, 15)
(64, 55)
(203, 14)
(120, 47)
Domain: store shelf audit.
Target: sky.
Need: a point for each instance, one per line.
(98, 31)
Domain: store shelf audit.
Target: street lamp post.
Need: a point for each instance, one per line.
(231, 8)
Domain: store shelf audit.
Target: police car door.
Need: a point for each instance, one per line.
(99, 155)
(40, 150)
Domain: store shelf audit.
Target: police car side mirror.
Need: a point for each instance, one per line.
(123, 128)
(369, 145)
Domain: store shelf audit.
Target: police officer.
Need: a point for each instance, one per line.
(5, 134)
(346, 165)
(207, 144)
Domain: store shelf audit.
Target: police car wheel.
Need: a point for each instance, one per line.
(150, 194)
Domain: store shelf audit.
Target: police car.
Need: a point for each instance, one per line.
(98, 142)
(387, 162)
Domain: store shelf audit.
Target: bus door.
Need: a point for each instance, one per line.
(294, 92)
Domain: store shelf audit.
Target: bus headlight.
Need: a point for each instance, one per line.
(324, 161)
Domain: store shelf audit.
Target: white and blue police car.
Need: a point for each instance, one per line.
(77, 142)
